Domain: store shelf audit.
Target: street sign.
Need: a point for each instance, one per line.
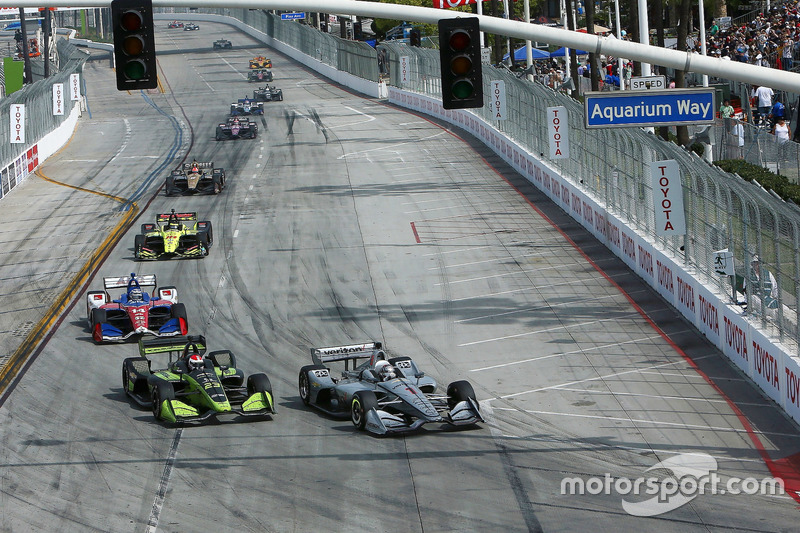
(292, 16)
(647, 83)
(627, 109)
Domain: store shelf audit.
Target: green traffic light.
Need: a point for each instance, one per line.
(463, 89)
(134, 70)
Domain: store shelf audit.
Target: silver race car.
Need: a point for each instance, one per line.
(383, 395)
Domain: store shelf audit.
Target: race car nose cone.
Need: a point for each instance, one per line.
(141, 329)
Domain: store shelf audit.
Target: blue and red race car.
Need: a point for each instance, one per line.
(135, 311)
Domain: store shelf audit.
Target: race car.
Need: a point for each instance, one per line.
(191, 27)
(134, 311)
(194, 386)
(268, 93)
(259, 74)
(237, 128)
(222, 43)
(383, 395)
(246, 106)
(195, 178)
(175, 24)
(174, 235)
(260, 62)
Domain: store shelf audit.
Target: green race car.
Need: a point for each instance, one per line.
(194, 386)
(174, 235)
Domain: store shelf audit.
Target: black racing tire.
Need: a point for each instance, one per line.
(258, 382)
(459, 391)
(209, 232)
(218, 182)
(178, 311)
(361, 404)
(280, 97)
(138, 244)
(219, 135)
(96, 317)
(203, 238)
(169, 186)
(304, 384)
(159, 392)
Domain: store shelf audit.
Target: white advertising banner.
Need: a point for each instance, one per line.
(558, 132)
(404, 72)
(768, 368)
(74, 87)
(498, 90)
(17, 116)
(58, 98)
(668, 198)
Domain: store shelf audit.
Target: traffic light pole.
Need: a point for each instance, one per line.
(681, 60)
(25, 50)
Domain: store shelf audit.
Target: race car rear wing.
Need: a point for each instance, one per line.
(320, 356)
(164, 217)
(171, 344)
(122, 281)
(205, 164)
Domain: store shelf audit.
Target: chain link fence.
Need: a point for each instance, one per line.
(38, 100)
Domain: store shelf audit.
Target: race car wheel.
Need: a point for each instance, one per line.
(304, 383)
(219, 136)
(97, 318)
(203, 238)
(138, 244)
(361, 404)
(160, 392)
(209, 232)
(459, 391)
(259, 383)
(218, 184)
(169, 186)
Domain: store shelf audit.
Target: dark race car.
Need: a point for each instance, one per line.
(259, 74)
(175, 24)
(222, 43)
(268, 93)
(174, 234)
(191, 27)
(383, 395)
(134, 311)
(195, 178)
(237, 128)
(260, 62)
(246, 106)
(194, 386)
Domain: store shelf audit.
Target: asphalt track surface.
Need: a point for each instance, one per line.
(348, 220)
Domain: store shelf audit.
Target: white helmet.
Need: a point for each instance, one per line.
(384, 370)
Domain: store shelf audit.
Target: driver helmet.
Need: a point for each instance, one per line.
(135, 295)
(195, 362)
(195, 168)
(385, 370)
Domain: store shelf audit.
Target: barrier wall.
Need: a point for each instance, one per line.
(765, 362)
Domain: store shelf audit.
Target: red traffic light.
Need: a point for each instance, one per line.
(459, 40)
(131, 21)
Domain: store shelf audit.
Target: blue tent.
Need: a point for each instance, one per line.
(561, 51)
(519, 54)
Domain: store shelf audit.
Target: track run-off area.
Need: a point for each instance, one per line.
(350, 220)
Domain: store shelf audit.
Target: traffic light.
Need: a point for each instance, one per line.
(460, 52)
(358, 31)
(414, 38)
(134, 44)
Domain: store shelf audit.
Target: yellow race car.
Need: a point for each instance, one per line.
(260, 62)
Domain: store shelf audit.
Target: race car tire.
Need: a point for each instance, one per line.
(209, 232)
(160, 391)
(97, 317)
(258, 383)
(219, 136)
(141, 368)
(178, 311)
(304, 383)
(459, 391)
(361, 404)
(218, 183)
(203, 238)
(280, 97)
(169, 186)
(138, 244)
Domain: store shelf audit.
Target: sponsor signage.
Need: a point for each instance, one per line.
(58, 98)
(404, 73)
(626, 109)
(558, 132)
(648, 83)
(17, 116)
(292, 16)
(447, 4)
(74, 87)
(668, 198)
(498, 95)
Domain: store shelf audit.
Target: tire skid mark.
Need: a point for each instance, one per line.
(163, 484)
